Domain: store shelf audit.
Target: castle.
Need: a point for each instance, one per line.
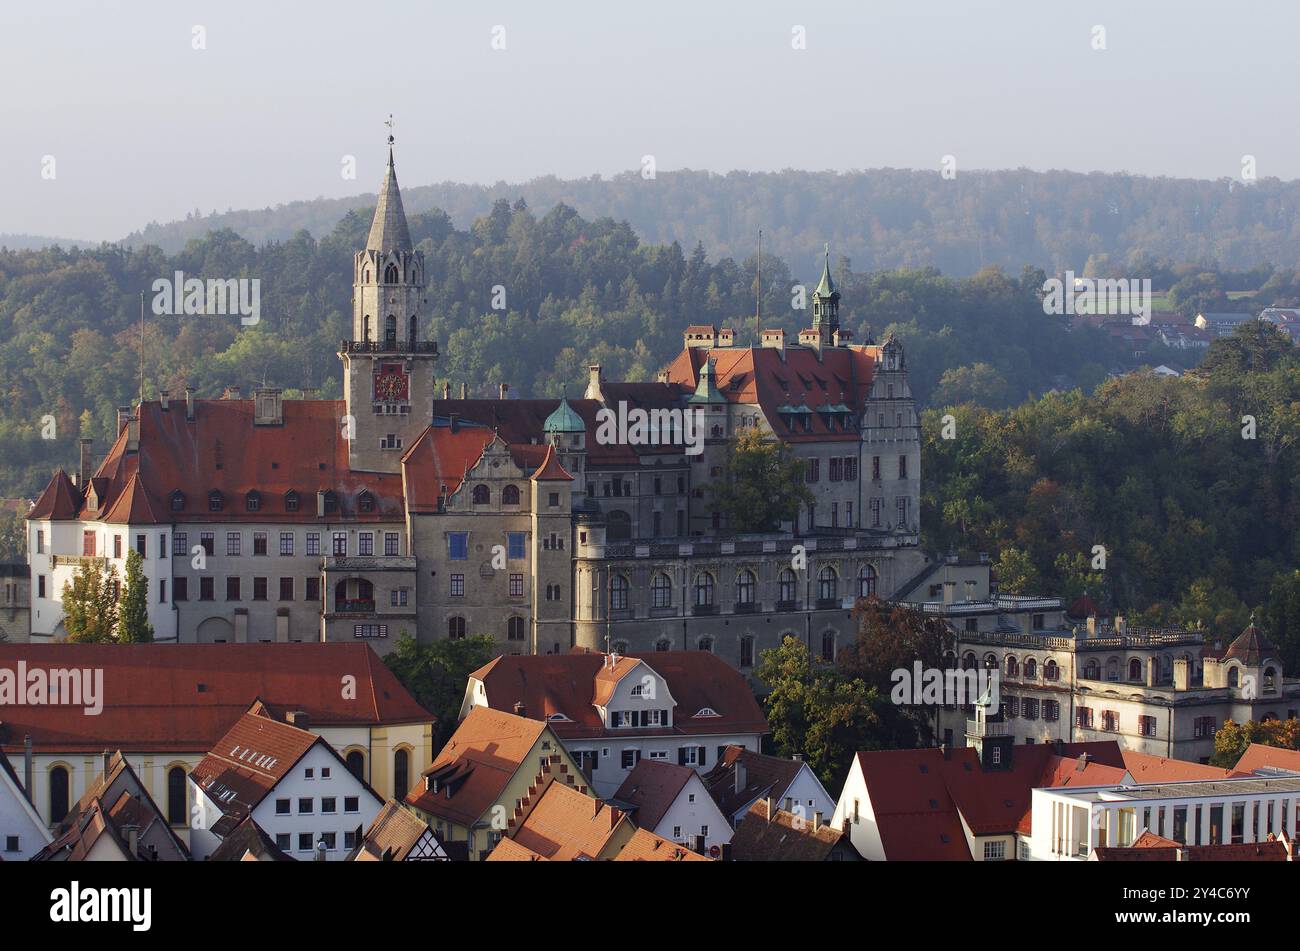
(400, 508)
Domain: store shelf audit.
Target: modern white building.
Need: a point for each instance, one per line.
(1070, 822)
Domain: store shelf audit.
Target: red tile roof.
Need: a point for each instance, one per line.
(60, 500)
(651, 788)
(645, 846)
(1147, 768)
(1157, 849)
(393, 834)
(758, 375)
(184, 697)
(249, 761)
(221, 450)
(571, 684)
(564, 825)
(767, 835)
(439, 458)
(768, 776)
(1261, 757)
(474, 768)
(508, 850)
(550, 469)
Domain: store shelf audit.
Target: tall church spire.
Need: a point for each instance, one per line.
(826, 303)
(388, 232)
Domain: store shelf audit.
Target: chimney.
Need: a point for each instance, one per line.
(774, 337)
(230, 393)
(1121, 625)
(770, 801)
(521, 710)
(446, 390)
(1182, 674)
(310, 393)
(797, 757)
(27, 765)
(189, 402)
(593, 384)
(1092, 625)
(320, 503)
(661, 376)
(726, 337)
(741, 778)
(131, 421)
(949, 592)
(268, 406)
(83, 467)
(164, 400)
(300, 719)
(501, 391)
(464, 391)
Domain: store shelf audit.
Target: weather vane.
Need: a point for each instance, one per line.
(389, 122)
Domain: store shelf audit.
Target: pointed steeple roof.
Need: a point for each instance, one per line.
(1250, 647)
(550, 470)
(60, 500)
(706, 391)
(388, 232)
(826, 287)
(133, 506)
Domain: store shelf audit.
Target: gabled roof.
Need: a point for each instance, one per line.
(508, 850)
(397, 835)
(572, 684)
(472, 771)
(564, 825)
(1268, 758)
(248, 842)
(184, 697)
(651, 788)
(440, 457)
(764, 776)
(774, 835)
(645, 846)
(249, 761)
(759, 376)
(1153, 848)
(550, 470)
(132, 506)
(221, 451)
(60, 500)
(1147, 768)
(388, 231)
(1250, 647)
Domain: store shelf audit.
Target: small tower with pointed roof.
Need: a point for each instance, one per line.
(826, 305)
(565, 431)
(388, 364)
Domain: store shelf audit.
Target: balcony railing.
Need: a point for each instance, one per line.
(77, 561)
(745, 607)
(389, 346)
(354, 605)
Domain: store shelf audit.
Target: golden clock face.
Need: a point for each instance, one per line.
(390, 385)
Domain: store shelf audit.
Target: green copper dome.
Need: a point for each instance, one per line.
(564, 419)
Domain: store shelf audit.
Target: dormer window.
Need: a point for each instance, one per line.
(178, 501)
(253, 501)
(291, 501)
(707, 712)
(365, 502)
(216, 501)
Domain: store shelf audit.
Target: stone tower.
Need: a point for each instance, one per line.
(388, 364)
(826, 305)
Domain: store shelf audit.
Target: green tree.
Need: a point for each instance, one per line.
(1232, 739)
(763, 485)
(435, 673)
(90, 604)
(1016, 572)
(133, 624)
(13, 536)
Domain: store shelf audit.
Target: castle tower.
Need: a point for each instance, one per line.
(826, 305)
(388, 364)
(891, 446)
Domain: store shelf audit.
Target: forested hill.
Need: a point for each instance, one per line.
(575, 291)
(881, 218)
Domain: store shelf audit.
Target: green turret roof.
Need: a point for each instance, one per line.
(826, 288)
(706, 391)
(564, 419)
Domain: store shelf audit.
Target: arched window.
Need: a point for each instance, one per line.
(58, 794)
(618, 588)
(661, 592)
(828, 583)
(747, 650)
(365, 328)
(1013, 666)
(215, 501)
(356, 763)
(706, 644)
(1270, 675)
(482, 495)
(787, 585)
(703, 589)
(510, 495)
(867, 582)
(390, 331)
(1112, 668)
(745, 583)
(515, 629)
(1051, 671)
(1031, 669)
(1135, 669)
(990, 661)
(177, 813)
(1092, 670)
(968, 661)
(1234, 676)
(390, 274)
(828, 645)
(401, 773)
(455, 627)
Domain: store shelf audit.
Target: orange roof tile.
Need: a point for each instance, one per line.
(652, 787)
(563, 825)
(645, 846)
(1261, 757)
(250, 760)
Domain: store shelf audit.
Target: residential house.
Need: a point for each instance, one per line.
(610, 711)
(398, 835)
(473, 792)
(249, 842)
(22, 831)
(557, 823)
(291, 782)
(770, 834)
(116, 820)
(645, 846)
(741, 777)
(164, 706)
(673, 802)
(1149, 847)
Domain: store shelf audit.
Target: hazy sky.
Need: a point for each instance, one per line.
(143, 127)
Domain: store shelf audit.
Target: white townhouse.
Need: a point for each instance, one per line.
(22, 831)
(672, 802)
